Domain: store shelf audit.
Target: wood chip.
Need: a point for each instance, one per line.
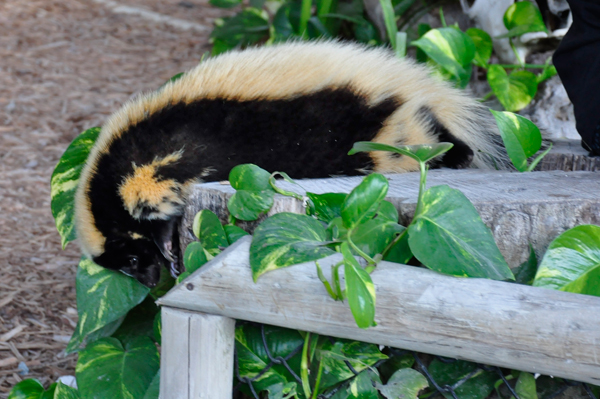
(8, 361)
(11, 333)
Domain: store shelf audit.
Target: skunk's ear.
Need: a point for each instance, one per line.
(163, 234)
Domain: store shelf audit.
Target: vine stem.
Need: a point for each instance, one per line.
(370, 260)
(318, 382)
(304, 367)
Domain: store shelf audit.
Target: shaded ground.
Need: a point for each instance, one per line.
(64, 66)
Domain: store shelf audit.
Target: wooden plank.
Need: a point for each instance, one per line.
(519, 208)
(568, 155)
(197, 355)
(508, 325)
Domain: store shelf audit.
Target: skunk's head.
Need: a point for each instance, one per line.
(137, 258)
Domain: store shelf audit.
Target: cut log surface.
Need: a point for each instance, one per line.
(491, 322)
(568, 155)
(519, 208)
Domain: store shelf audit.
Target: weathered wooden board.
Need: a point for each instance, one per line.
(568, 155)
(520, 208)
(492, 322)
(197, 355)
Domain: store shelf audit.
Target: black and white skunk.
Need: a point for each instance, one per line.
(295, 107)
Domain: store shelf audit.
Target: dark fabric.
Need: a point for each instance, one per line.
(577, 61)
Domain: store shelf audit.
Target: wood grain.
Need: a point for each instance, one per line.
(491, 322)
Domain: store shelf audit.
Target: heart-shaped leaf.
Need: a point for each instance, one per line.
(360, 387)
(404, 383)
(523, 17)
(521, 137)
(336, 354)
(253, 360)
(31, 389)
(362, 202)
(64, 183)
(209, 230)
(286, 239)
(325, 207)
(254, 195)
(483, 46)
(107, 369)
(514, 91)
(103, 297)
(373, 236)
(360, 290)
(448, 236)
(526, 386)
(450, 48)
(572, 262)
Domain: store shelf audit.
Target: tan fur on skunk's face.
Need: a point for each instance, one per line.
(294, 107)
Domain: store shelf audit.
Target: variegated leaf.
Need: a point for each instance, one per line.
(64, 182)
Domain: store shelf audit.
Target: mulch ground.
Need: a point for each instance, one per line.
(64, 66)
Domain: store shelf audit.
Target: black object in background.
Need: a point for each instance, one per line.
(577, 61)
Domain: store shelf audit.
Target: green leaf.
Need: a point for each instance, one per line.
(247, 27)
(373, 236)
(523, 17)
(286, 239)
(64, 183)
(65, 392)
(400, 252)
(525, 273)
(253, 359)
(451, 49)
(282, 391)
(103, 296)
(483, 46)
(336, 229)
(521, 137)
(361, 387)
(514, 91)
(390, 22)
(479, 386)
(31, 389)
(572, 262)
(334, 355)
(234, 233)
(325, 207)
(249, 177)
(448, 236)
(548, 72)
(254, 194)
(208, 228)
(153, 388)
(225, 3)
(139, 322)
(360, 290)
(420, 153)
(194, 257)
(107, 369)
(362, 203)
(525, 387)
(249, 205)
(388, 212)
(404, 383)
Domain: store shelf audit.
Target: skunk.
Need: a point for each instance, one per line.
(296, 107)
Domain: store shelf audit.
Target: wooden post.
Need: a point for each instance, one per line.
(197, 355)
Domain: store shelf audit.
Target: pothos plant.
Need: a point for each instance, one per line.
(451, 52)
(118, 330)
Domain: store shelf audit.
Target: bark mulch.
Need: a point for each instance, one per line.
(64, 66)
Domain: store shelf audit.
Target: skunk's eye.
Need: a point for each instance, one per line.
(133, 262)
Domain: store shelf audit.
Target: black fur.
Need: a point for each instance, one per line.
(458, 157)
(306, 136)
